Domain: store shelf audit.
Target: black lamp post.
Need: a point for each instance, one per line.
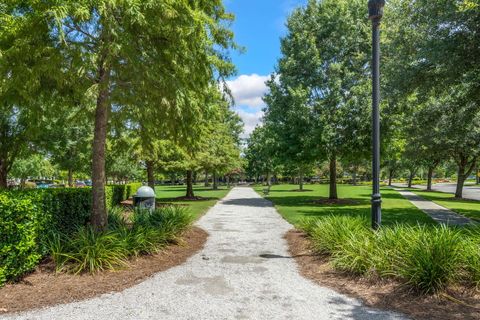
(375, 10)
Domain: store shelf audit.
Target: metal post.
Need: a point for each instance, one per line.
(376, 12)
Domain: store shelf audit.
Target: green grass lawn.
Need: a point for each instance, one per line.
(468, 208)
(167, 194)
(294, 206)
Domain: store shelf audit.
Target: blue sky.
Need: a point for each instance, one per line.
(258, 26)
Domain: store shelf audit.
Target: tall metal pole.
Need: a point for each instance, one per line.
(375, 14)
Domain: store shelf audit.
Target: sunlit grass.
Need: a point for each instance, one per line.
(294, 206)
(168, 194)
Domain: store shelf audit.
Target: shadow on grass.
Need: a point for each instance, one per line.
(177, 189)
(309, 201)
(390, 216)
(173, 200)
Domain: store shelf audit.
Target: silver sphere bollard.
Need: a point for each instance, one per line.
(144, 198)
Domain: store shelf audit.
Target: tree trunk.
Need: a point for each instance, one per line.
(460, 182)
(70, 178)
(390, 177)
(300, 178)
(268, 179)
(410, 178)
(215, 182)
(429, 178)
(477, 176)
(228, 181)
(195, 177)
(3, 175)
(190, 193)
(99, 217)
(354, 175)
(333, 178)
(463, 172)
(151, 174)
(206, 178)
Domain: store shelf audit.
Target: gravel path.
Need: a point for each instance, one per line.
(244, 272)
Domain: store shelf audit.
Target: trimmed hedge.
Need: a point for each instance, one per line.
(115, 194)
(28, 216)
(21, 223)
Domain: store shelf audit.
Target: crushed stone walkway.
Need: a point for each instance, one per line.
(244, 272)
(438, 213)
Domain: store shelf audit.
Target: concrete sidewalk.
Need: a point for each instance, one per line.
(438, 213)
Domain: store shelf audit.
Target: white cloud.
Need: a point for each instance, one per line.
(248, 90)
(251, 120)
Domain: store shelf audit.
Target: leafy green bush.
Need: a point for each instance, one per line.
(146, 233)
(426, 258)
(28, 216)
(20, 229)
(115, 194)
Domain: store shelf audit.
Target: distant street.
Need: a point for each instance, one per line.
(469, 191)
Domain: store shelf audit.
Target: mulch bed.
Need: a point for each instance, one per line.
(323, 201)
(459, 304)
(44, 287)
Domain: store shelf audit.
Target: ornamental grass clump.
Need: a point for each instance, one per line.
(426, 258)
(472, 256)
(331, 233)
(433, 259)
(144, 232)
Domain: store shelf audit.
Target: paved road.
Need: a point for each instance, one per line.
(244, 272)
(469, 192)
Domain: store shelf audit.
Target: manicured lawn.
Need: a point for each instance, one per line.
(167, 194)
(294, 206)
(468, 208)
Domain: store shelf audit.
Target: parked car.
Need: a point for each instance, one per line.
(43, 185)
(80, 184)
(88, 183)
(57, 186)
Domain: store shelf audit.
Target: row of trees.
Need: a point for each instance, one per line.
(318, 105)
(109, 84)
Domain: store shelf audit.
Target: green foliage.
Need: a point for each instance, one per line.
(28, 218)
(88, 250)
(427, 259)
(33, 166)
(21, 226)
(145, 233)
(117, 193)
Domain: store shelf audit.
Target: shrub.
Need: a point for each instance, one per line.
(20, 228)
(432, 258)
(426, 258)
(472, 256)
(90, 251)
(147, 233)
(114, 194)
(27, 215)
(330, 233)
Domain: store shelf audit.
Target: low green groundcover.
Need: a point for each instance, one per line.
(426, 258)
